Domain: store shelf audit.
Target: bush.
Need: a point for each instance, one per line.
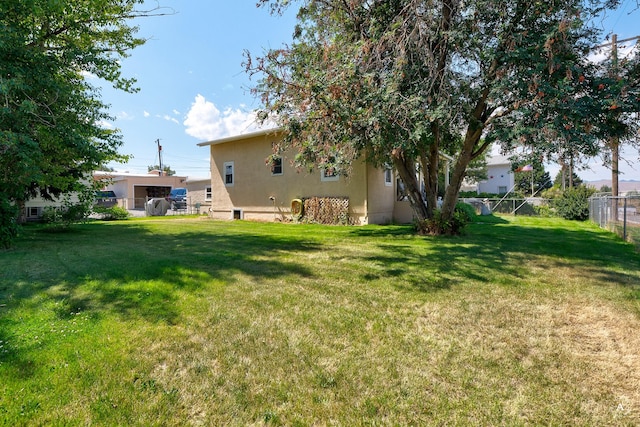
(62, 217)
(8, 224)
(525, 208)
(544, 211)
(111, 214)
(466, 211)
(574, 203)
(463, 214)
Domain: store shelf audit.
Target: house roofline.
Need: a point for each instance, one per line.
(264, 132)
(240, 137)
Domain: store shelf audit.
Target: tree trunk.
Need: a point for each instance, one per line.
(459, 171)
(22, 212)
(408, 174)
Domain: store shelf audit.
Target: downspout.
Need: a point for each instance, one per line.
(366, 192)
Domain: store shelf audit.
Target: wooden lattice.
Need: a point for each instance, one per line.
(327, 210)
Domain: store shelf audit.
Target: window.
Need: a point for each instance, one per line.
(276, 166)
(401, 194)
(329, 172)
(207, 193)
(228, 174)
(502, 190)
(388, 177)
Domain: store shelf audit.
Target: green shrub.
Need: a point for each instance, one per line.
(8, 224)
(545, 211)
(467, 211)
(525, 208)
(463, 214)
(61, 217)
(574, 203)
(112, 213)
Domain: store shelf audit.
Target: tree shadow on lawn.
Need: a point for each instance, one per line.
(489, 246)
(132, 272)
(135, 272)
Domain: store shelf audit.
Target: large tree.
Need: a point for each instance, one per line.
(402, 81)
(52, 133)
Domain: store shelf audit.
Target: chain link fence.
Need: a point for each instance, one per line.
(529, 206)
(620, 215)
(142, 207)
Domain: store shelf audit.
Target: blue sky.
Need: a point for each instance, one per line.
(193, 87)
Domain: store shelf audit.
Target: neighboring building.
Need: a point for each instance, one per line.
(500, 177)
(133, 190)
(34, 207)
(199, 194)
(244, 186)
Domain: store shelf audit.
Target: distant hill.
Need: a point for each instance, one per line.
(623, 186)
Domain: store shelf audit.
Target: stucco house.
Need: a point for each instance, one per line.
(248, 183)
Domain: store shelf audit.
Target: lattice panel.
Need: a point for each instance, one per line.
(327, 210)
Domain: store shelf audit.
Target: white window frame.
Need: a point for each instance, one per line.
(233, 174)
(388, 177)
(33, 212)
(330, 178)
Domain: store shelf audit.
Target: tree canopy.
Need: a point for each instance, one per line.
(166, 169)
(402, 81)
(52, 132)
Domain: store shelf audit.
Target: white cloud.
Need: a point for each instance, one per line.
(123, 115)
(146, 113)
(206, 122)
(87, 75)
(604, 53)
(105, 124)
(170, 119)
(176, 112)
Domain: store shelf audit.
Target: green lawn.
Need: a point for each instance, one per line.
(171, 321)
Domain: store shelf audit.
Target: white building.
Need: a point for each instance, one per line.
(500, 177)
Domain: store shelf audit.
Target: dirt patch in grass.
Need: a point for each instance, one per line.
(607, 340)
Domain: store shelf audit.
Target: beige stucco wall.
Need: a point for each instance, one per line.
(402, 212)
(254, 184)
(381, 196)
(197, 195)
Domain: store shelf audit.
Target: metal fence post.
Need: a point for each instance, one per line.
(624, 223)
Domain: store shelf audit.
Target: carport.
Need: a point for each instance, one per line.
(142, 192)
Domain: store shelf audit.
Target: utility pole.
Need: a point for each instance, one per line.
(614, 140)
(159, 156)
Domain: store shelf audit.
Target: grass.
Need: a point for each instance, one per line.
(172, 321)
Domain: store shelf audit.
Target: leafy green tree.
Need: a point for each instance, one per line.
(574, 181)
(403, 81)
(166, 169)
(531, 182)
(618, 85)
(51, 131)
(605, 189)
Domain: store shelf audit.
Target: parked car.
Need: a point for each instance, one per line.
(106, 199)
(178, 198)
